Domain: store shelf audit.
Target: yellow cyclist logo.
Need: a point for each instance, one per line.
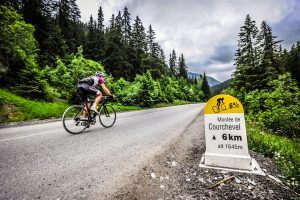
(223, 104)
(220, 105)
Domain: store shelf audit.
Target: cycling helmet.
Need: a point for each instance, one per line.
(100, 74)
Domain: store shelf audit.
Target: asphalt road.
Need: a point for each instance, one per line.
(45, 162)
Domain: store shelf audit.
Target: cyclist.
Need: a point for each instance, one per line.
(87, 86)
(219, 101)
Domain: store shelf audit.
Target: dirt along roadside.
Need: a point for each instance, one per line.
(175, 174)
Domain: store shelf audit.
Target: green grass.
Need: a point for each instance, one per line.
(286, 151)
(175, 103)
(122, 108)
(14, 108)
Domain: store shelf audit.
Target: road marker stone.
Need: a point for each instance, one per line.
(225, 136)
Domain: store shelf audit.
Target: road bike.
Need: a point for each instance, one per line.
(77, 118)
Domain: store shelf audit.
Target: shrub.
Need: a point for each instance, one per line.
(66, 75)
(285, 151)
(150, 91)
(127, 93)
(278, 108)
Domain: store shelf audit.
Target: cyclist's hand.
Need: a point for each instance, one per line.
(112, 97)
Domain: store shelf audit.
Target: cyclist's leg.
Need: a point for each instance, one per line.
(98, 98)
(84, 97)
(94, 91)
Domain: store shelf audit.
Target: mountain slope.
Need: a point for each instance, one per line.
(218, 88)
(211, 81)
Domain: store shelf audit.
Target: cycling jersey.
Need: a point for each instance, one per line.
(87, 86)
(92, 80)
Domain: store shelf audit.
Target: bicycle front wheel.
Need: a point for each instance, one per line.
(107, 116)
(73, 121)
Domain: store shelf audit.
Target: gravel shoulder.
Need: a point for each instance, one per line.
(175, 174)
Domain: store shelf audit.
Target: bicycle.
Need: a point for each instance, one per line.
(75, 123)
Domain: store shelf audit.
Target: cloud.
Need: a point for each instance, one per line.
(223, 54)
(206, 31)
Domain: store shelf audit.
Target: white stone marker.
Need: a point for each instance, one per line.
(225, 136)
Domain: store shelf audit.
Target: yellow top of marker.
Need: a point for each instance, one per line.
(223, 104)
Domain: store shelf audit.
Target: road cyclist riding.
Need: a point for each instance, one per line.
(77, 118)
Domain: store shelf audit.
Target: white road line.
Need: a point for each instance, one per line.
(29, 136)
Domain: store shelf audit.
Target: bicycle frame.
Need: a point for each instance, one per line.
(102, 103)
(87, 108)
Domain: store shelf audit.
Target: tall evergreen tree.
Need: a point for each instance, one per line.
(182, 67)
(205, 87)
(119, 24)
(115, 62)
(126, 26)
(100, 20)
(246, 57)
(112, 22)
(173, 63)
(100, 36)
(162, 57)
(50, 41)
(294, 62)
(153, 46)
(67, 17)
(139, 44)
(90, 49)
(268, 66)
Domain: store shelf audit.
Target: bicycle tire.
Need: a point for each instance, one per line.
(74, 112)
(107, 116)
(215, 107)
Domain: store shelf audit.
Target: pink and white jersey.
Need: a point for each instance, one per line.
(97, 80)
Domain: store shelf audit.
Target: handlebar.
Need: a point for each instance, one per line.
(108, 97)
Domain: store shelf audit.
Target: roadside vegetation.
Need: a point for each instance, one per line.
(284, 150)
(14, 108)
(45, 50)
(266, 81)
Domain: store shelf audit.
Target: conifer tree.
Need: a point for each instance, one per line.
(246, 56)
(126, 26)
(67, 17)
(182, 67)
(268, 68)
(115, 61)
(100, 20)
(119, 24)
(48, 36)
(139, 44)
(100, 36)
(173, 63)
(112, 22)
(205, 87)
(91, 40)
(294, 62)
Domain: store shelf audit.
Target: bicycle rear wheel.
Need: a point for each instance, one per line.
(72, 119)
(107, 116)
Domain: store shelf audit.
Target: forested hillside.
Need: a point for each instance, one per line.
(267, 80)
(45, 50)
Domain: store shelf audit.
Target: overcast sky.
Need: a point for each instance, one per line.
(205, 31)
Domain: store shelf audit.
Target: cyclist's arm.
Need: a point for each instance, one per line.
(105, 89)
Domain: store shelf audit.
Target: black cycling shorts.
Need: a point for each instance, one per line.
(85, 90)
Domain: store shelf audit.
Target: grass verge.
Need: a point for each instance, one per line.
(286, 151)
(14, 108)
